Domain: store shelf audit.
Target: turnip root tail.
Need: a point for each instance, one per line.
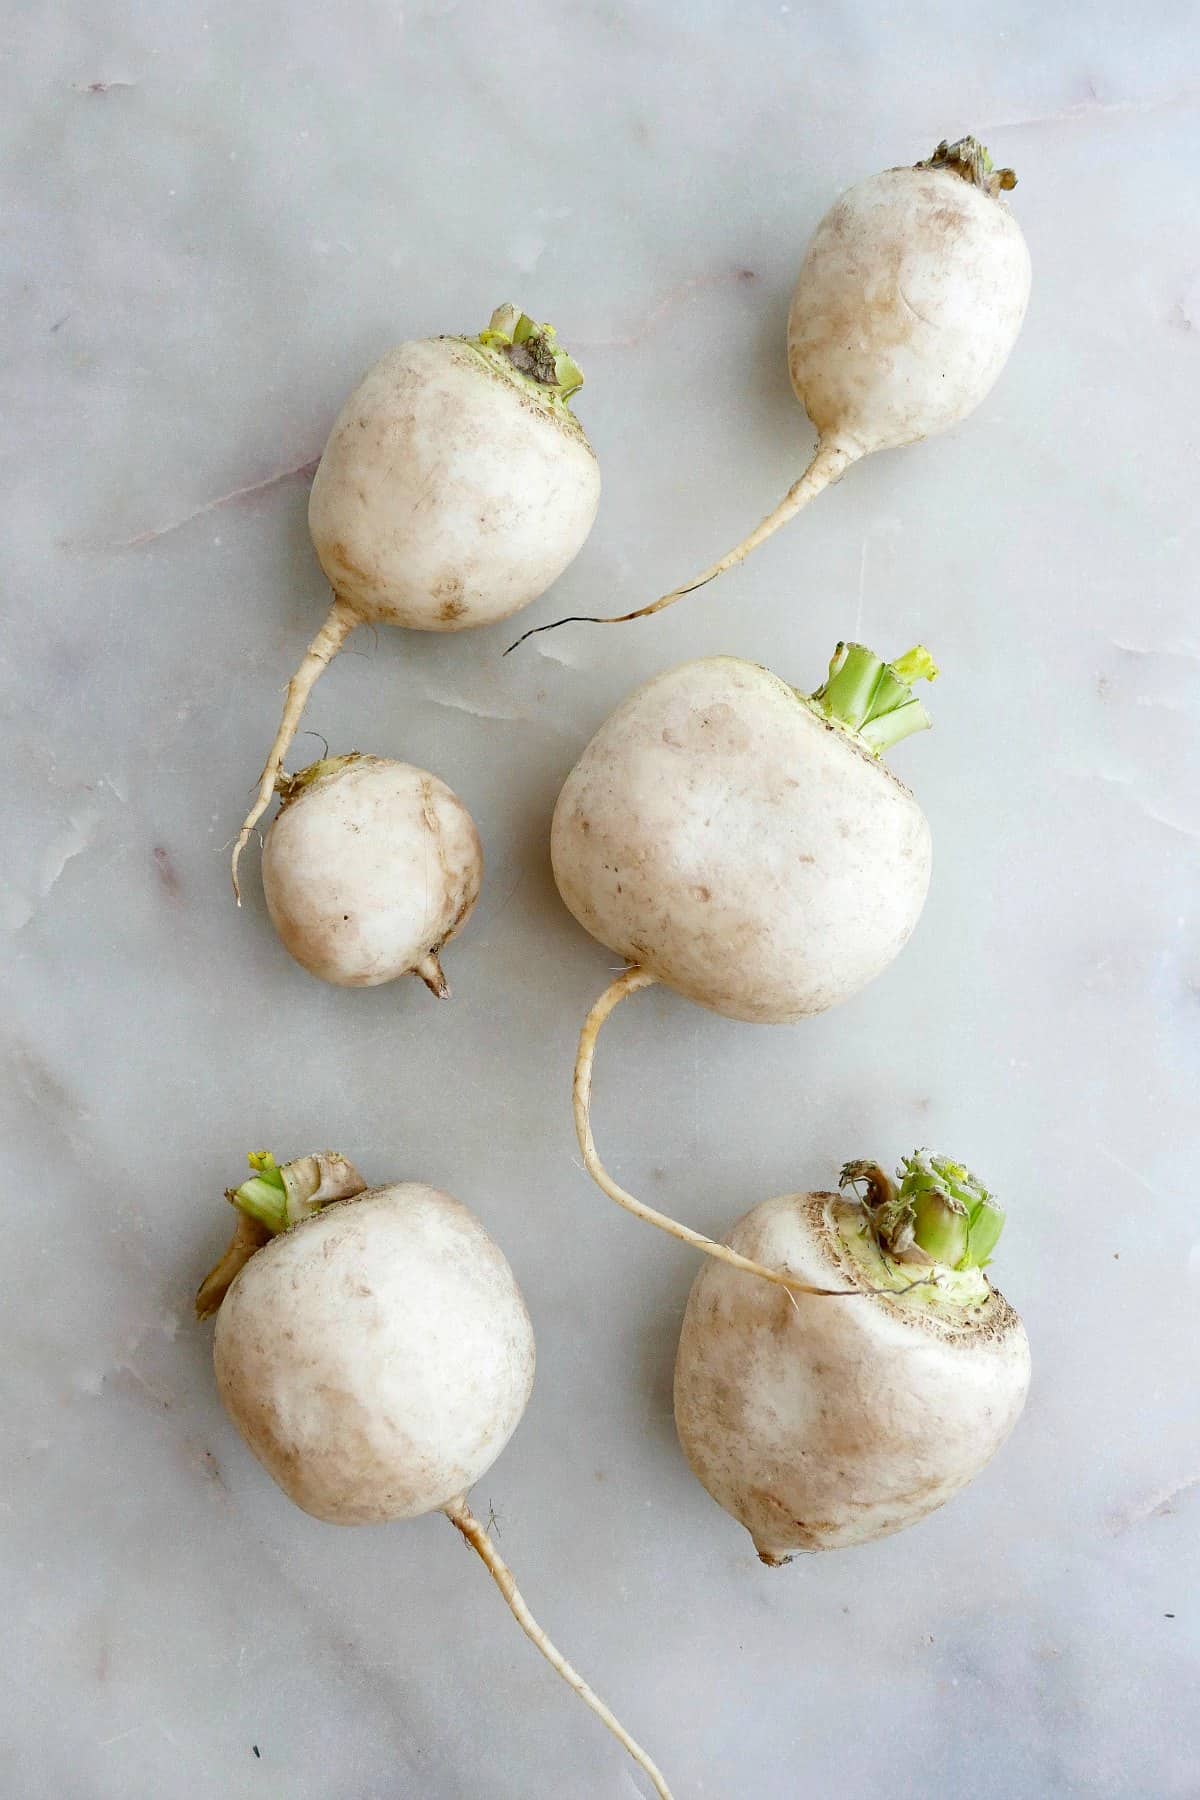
(629, 983)
(829, 463)
(430, 971)
(460, 1516)
(340, 621)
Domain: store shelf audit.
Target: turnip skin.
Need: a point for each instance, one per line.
(377, 1357)
(374, 1351)
(908, 303)
(456, 485)
(822, 1422)
(447, 497)
(369, 868)
(719, 833)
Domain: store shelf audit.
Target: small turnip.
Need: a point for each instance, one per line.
(369, 868)
(456, 485)
(374, 1351)
(908, 302)
(820, 1419)
(743, 843)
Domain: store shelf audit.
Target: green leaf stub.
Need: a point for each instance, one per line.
(936, 1185)
(937, 1214)
(264, 1196)
(279, 1198)
(531, 351)
(872, 699)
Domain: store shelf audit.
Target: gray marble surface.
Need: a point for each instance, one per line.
(215, 218)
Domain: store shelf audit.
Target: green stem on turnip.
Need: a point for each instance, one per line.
(529, 353)
(271, 1201)
(937, 1217)
(872, 699)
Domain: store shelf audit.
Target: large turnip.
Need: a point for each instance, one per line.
(876, 1385)
(743, 841)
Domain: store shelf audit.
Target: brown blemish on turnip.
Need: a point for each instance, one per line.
(341, 556)
(449, 593)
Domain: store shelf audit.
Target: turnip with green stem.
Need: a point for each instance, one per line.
(743, 843)
(908, 302)
(374, 1351)
(872, 1389)
(456, 486)
(369, 868)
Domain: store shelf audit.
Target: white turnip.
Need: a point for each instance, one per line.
(908, 302)
(369, 868)
(375, 1353)
(820, 1419)
(743, 843)
(456, 485)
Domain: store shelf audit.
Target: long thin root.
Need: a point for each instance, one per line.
(340, 621)
(462, 1518)
(829, 463)
(629, 983)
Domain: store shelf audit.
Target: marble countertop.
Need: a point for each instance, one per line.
(215, 218)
